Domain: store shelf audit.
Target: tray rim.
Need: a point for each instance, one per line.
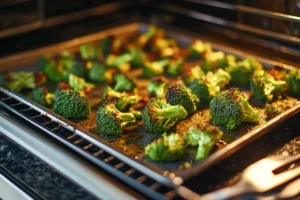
(181, 176)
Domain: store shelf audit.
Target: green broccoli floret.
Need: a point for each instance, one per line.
(99, 74)
(88, 52)
(121, 62)
(209, 86)
(253, 64)
(109, 94)
(158, 116)
(79, 84)
(178, 94)
(156, 68)
(126, 100)
(60, 70)
(42, 96)
(264, 86)
(16, 81)
(293, 82)
(240, 74)
(204, 136)
(198, 49)
(174, 67)
(212, 61)
(123, 83)
(230, 108)
(157, 86)
(137, 56)
(111, 121)
(109, 45)
(168, 148)
(193, 73)
(145, 38)
(71, 105)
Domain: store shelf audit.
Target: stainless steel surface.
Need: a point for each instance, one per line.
(8, 191)
(83, 174)
(259, 177)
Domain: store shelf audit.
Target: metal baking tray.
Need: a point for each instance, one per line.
(129, 147)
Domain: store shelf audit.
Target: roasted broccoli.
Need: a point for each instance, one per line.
(178, 94)
(209, 86)
(278, 73)
(193, 73)
(121, 62)
(264, 86)
(71, 105)
(158, 116)
(168, 148)
(60, 70)
(111, 121)
(123, 83)
(126, 100)
(16, 81)
(137, 57)
(174, 67)
(79, 84)
(99, 74)
(166, 47)
(198, 49)
(109, 94)
(42, 96)
(88, 52)
(293, 82)
(110, 45)
(157, 86)
(212, 60)
(144, 39)
(272, 111)
(230, 108)
(156, 68)
(204, 136)
(137, 114)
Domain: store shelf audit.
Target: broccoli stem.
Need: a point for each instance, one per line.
(137, 114)
(172, 113)
(127, 119)
(251, 115)
(205, 146)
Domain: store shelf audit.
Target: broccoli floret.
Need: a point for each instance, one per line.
(158, 116)
(137, 56)
(111, 121)
(79, 84)
(157, 86)
(293, 82)
(253, 64)
(88, 51)
(193, 73)
(60, 70)
(166, 47)
(42, 96)
(209, 86)
(121, 62)
(137, 114)
(264, 86)
(212, 61)
(272, 111)
(109, 94)
(145, 38)
(230, 108)
(168, 148)
(198, 49)
(126, 100)
(99, 74)
(204, 136)
(278, 73)
(110, 45)
(71, 105)
(240, 74)
(16, 81)
(123, 83)
(178, 94)
(156, 68)
(174, 67)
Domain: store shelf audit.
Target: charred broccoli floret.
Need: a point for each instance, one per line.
(264, 86)
(79, 84)
(293, 82)
(16, 81)
(198, 49)
(192, 74)
(174, 67)
(99, 74)
(59, 70)
(157, 86)
(111, 121)
(156, 68)
(272, 111)
(42, 96)
(168, 148)
(204, 136)
(278, 73)
(230, 108)
(71, 105)
(209, 86)
(158, 116)
(109, 94)
(178, 94)
(123, 83)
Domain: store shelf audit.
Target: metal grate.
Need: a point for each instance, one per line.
(88, 149)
